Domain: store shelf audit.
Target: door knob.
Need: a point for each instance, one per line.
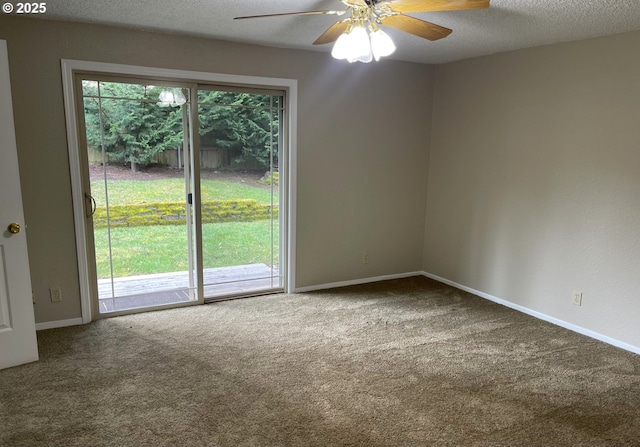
(14, 228)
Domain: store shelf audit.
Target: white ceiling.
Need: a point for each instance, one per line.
(506, 25)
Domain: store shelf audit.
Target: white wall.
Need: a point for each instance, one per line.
(534, 181)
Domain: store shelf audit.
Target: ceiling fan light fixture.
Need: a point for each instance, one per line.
(354, 45)
(381, 44)
(171, 98)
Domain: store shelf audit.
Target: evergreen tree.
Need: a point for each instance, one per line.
(243, 123)
(136, 128)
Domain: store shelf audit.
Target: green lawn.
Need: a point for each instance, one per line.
(124, 192)
(159, 249)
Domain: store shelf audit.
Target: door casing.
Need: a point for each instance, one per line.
(69, 70)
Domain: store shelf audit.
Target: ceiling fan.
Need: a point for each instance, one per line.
(350, 34)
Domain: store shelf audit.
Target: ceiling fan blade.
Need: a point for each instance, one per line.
(302, 13)
(417, 27)
(332, 34)
(435, 5)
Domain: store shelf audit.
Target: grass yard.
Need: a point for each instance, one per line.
(126, 192)
(160, 249)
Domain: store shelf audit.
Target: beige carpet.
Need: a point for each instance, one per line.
(399, 363)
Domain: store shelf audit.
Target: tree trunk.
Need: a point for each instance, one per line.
(134, 166)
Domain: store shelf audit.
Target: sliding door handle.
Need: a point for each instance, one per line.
(92, 205)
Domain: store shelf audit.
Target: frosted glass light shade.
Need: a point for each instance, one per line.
(381, 44)
(359, 45)
(168, 98)
(366, 58)
(341, 47)
(165, 98)
(178, 98)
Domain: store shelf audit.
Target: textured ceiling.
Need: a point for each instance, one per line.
(506, 25)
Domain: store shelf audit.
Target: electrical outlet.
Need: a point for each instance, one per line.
(577, 298)
(56, 294)
(365, 258)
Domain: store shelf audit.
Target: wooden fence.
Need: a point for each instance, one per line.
(210, 158)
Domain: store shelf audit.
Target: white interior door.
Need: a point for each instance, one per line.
(18, 343)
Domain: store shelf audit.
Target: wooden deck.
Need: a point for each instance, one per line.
(133, 292)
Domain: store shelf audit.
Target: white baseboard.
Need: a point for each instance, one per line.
(356, 282)
(78, 321)
(519, 308)
(540, 316)
(58, 323)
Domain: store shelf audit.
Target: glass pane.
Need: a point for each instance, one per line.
(239, 143)
(135, 149)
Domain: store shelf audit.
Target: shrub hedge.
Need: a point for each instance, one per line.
(174, 213)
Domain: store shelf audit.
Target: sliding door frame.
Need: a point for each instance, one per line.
(190, 151)
(72, 67)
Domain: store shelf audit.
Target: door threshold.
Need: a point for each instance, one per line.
(256, 294)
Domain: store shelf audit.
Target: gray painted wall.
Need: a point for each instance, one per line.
(531, 168)
(534, 180)
(363, 142)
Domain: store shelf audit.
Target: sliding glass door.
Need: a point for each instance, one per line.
(142, 223)
(182, 192)
(240, 132)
